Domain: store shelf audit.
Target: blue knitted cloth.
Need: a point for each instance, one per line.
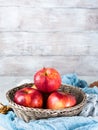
(87, 120)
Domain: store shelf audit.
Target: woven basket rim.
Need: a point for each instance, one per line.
(12, 103)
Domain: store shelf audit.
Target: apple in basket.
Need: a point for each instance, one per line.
(29, 97)
(47, 80)
(60, 100)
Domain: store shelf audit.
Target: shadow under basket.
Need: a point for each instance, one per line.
(28, 114)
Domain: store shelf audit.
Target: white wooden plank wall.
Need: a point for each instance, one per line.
(55, 33)
(52, 33)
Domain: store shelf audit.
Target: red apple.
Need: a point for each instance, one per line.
(60, 100)
(70, 100)
(56, 100)
(47, 80)
(29, 97)
(33, 86)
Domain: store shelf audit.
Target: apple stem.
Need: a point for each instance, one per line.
(45, 73)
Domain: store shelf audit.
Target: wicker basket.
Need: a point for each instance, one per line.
(28, 114)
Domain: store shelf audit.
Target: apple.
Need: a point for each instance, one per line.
(60, 100)
(47, 80)
(56, 100)
(33, 86)
(70, 100)
(29, 97)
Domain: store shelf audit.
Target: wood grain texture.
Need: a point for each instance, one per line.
(58, 43)
(48, 20)
(48, 33)
(51, 3)
(28, 65)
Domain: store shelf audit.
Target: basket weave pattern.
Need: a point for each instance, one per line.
(28, 114)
